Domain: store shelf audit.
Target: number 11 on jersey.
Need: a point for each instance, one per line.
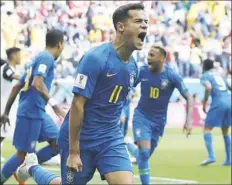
(115, 94)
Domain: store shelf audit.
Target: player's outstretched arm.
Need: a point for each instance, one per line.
(189, 108)
(13, 94)
(75, 123)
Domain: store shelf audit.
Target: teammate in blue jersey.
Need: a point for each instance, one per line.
(125, 115)
(32, 123)
(90, 137)
(219, 114)
(157, 85)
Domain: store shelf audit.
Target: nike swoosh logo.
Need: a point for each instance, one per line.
(109, 75)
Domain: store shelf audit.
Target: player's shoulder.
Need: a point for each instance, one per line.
(99, 53)
(170, 71)
(44, 55)
(143, 69)
(206, 74)
(7, 69)
(5, 66)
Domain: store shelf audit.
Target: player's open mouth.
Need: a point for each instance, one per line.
(142, 36)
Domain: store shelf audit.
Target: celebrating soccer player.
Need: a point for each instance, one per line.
(158, 81)
(32, 123)
(90, 137)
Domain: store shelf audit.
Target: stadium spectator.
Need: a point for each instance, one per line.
(176, 25)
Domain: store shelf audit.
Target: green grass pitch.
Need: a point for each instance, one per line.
(176, 159)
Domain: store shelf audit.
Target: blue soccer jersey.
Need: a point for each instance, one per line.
(219, 114)
(156, 90)
(219, 85)
(31, 103)
(105, 81)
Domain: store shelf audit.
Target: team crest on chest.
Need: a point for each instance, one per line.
(132, 78)
(164, 83)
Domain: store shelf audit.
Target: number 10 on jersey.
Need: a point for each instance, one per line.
(154, 92)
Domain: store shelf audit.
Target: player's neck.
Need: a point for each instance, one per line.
(51, 51)
(159, 71)
(11, 63)
(123, 51)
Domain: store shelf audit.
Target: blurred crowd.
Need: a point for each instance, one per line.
(190, 31)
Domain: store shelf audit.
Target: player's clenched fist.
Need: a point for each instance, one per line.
(74, 162)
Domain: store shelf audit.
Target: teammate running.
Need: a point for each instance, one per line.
(219, 114)
(33, 124)
(157, 85)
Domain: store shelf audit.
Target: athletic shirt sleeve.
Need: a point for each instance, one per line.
(204, 78)
(88, 71)
(8, 73)
(179, 83)
(43, 64)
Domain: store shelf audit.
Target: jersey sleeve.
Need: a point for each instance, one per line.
(179, 83)
(204, 78)
(88, 72)
(8, 73)
(42, 65)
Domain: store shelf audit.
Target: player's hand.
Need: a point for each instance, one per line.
(4, 119)
(59, 112)
(74, 162)
(187, 129)
(204, 109)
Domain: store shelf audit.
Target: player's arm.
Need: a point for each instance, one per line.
(75, 123)
(13, 94)
(179, 84)
(38, 84)
(208, 89)
(9, 74)
(206, 83)
(189, 108)
(87, 76)
(41, 71)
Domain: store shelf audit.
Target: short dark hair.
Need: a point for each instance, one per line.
(121, 13)
(162, 51)
(53, 37)
(208, 64)
(11, 51)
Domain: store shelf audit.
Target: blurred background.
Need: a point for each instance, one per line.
(190, 31)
